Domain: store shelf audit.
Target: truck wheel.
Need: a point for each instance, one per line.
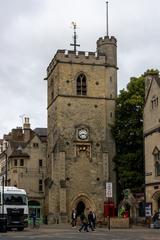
(20, 228)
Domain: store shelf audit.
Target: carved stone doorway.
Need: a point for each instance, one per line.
(82, 203)
(80, 208)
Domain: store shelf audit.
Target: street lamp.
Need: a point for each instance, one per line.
(3, 197)
(6, 168)
(3, 220)
(5, 163)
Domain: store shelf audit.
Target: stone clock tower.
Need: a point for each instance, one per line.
(82, 88)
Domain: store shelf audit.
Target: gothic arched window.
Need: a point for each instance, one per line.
(156, 154)
(81, 85)
(154, 102)
(157, 164)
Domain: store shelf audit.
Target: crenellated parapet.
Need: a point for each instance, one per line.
(106, 40)
(108, 47)
(106, 54)
(78, 57)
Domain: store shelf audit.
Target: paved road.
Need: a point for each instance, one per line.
(62, 233)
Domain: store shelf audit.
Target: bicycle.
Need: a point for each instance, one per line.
(35, 224)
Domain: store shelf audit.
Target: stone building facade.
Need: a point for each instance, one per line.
(23, 163)
(152, 140)
(82, 88)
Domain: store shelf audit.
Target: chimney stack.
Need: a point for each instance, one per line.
(27, 129)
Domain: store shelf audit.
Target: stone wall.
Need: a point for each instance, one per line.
(119, 222)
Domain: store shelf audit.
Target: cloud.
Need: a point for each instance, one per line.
(33, 30)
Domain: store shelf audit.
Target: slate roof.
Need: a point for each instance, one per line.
(17, 148)
(42, 133)
(18, 153)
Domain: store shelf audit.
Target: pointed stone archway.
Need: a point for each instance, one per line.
(156, 198)
(80, 208)
(156, 195)
(82, 203)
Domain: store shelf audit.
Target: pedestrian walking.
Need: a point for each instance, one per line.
(155, 219)
(90, 220)
(94, 220)
(33, 216)
(84, 223)
(74, 218)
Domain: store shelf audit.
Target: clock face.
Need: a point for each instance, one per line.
(83, 133)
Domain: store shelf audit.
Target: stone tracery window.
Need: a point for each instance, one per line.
(81, 85)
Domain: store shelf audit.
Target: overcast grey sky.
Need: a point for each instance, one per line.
(31, 31)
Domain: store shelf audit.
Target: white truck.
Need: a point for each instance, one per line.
(14, 207)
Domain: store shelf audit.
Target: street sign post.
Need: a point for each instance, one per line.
(109, 189)
(109, 195)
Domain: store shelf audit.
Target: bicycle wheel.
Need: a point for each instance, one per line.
(37, 225)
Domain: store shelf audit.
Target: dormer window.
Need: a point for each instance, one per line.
(81, 85)
(35, 145)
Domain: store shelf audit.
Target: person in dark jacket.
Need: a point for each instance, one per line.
(84, 223)
(33, 216)
(156, 219)
(90, 220)
(74, 218)
(94, 220)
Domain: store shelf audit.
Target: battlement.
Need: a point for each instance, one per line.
(106, 40)
(78, 57)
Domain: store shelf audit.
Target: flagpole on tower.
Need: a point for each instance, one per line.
(107, 34)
